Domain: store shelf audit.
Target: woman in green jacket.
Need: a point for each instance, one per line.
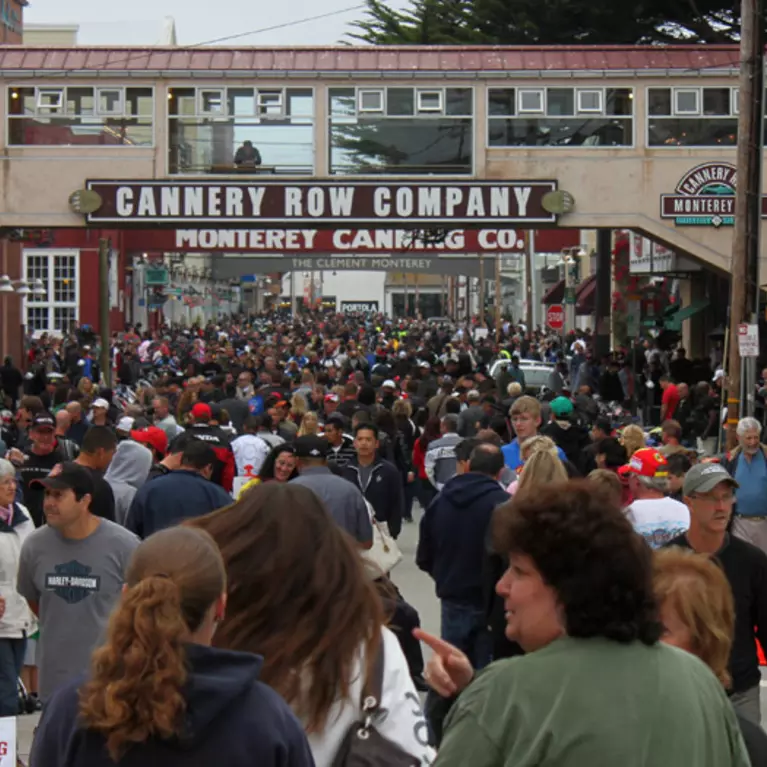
(596, 686)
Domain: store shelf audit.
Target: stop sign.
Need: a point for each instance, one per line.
(555, 317)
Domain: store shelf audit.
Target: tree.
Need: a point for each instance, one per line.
(550, 22)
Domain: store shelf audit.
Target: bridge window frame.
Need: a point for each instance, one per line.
(616, 102)
(366, 108)
(81, 108)
(196, 142)
(667, 127)
(540, 93)
(455, 104)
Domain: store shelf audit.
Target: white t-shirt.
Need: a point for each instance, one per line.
(659, 519)
(249, 450)
(404, 723)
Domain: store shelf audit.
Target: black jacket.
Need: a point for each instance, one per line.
(384, 491)
(571, 437)
(453, 531)
(231, 719)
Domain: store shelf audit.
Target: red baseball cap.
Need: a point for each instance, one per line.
(647, 462)
(153, 436)
(202, 411)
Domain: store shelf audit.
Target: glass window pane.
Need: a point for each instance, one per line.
(687, 102)
(560, 131)
(80, 101)
(459, 101)
(692, 131)
(716, 101)
(429, 101)
(400, 102)
(211, 102)
(64, 317)
(241, 102)
(270, 103)
(619, 101)
(37, 318)
(440, 145)
(110, 101)
(659, 101)
(139, 102)
(342, 102)
(182, 101)
(500, 101)
(560, 102)
(300, 102)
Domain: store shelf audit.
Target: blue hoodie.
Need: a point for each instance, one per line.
(453, 534)
(512, 455)
(231, 719)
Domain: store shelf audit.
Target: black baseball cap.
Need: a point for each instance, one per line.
(310, 446)
(68, 476)
(43, 421)
(215, 410)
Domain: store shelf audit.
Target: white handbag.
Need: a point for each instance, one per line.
(384, 554)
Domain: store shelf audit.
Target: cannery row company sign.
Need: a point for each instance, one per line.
(320, 204)
(705, 196)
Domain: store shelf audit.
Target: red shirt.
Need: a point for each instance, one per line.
(671, 400)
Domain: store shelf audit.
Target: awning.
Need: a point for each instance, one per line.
(674, 322)
(585, 296)
(555, 294)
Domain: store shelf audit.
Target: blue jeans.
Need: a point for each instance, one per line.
(11, 661)
(465, 627)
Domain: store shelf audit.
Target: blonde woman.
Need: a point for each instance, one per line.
(86, 391)
(632, 439)
(543, 468)
(310, 425)
(298, 408)
(698, 615)
(528, 449)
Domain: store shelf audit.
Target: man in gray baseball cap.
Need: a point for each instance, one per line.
(709, 492)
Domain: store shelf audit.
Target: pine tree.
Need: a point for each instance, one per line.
(549, 22)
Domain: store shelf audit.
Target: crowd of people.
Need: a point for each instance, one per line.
(201, 559)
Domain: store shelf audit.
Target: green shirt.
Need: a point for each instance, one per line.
(594, 703)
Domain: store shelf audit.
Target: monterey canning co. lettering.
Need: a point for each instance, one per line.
(321, 202)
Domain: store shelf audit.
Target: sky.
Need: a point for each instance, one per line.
(140, 22)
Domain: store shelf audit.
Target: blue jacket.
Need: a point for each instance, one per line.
(513, 457)
(453, 535)
(231, 719)
(168, 500)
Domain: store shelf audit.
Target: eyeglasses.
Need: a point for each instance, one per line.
(714, 499)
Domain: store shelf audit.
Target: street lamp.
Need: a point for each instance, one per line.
(19, 288)
(571, 259)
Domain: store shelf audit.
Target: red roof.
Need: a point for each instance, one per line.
(390, 59)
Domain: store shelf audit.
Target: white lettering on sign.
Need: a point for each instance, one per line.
(124, 200)
(350, 203)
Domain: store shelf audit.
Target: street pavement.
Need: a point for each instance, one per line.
(416, 587)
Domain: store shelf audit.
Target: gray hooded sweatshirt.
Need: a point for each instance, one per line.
(126, 474)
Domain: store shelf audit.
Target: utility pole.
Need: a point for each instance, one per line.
(744, 270)
(106, 361)
(498, 298)
(482, 322)
(529, 277)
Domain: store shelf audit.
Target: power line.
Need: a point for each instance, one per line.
(145, 53)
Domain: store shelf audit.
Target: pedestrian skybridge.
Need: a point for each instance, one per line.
(313, 139)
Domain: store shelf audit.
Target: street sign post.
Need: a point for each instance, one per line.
(555, 317)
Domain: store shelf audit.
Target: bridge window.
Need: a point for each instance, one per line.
(399, 130)
(81, 115)
(690, 116)
(525, 117)
(241, 131)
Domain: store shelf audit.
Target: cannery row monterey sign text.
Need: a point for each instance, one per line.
(320, 204)
(705, 196)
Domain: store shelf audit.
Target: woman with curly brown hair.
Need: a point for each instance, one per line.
(299, 596)
(158, 694)
(596, 686)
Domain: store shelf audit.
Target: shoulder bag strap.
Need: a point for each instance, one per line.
(372, 688)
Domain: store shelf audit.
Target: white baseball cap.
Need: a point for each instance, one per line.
(388, 384)
(125, 424)
(718, 375)
(101, 403)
